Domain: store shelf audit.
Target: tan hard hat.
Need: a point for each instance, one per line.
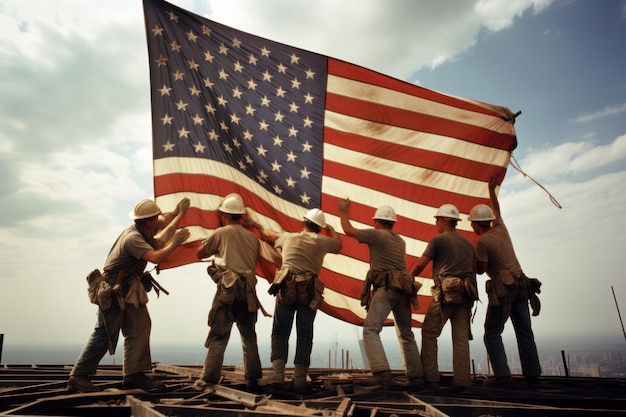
(449, 211)
(316, 216)
(385, 213)
(232, 204)
(481, 213)
(145, 209)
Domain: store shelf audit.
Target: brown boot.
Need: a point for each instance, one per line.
(498, 382)
(277, 377)
(144, 382)
(378, 378)
(404, 383)
(81, 383)
(300, 384)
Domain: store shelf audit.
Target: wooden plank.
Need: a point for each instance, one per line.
(142, 408)
(243, 397)
(184, 371)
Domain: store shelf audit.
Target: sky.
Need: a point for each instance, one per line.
(75, 145)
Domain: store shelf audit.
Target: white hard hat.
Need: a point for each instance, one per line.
(232, 204)
(449, 211)
(316, 216)
(481, 213)
(145, 209)
(385, 213)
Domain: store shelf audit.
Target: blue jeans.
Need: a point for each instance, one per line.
(281, 330)
(135, 324)
(494, 326)
(217, 341)
(384, 301)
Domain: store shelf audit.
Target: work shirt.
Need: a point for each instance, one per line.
(234, 248)
(496, 249)
(452, 255)
(305, 251)
(127, 250)
(387, 249)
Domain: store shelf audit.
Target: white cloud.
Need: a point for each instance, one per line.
(500, 14)
(573, 158)
(91, 173)
(608, 111)
(395, 40)
(25, 25)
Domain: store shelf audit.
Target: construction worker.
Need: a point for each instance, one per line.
(393, 291)
(123, 297)
(454, 270)
(236, 251)
(298, 291)
(508, 293)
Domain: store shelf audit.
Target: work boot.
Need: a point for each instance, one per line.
(199, 384)
(300, 384)
(378, 378)
(498, 382)
(144, 382)
(81, 383)
(277, 377)
(404, 383)
(252, 385)
(532, 380)
(432, 385)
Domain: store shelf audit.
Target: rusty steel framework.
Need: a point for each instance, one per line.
(41, 390)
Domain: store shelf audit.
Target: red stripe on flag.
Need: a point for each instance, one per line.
(398, 152)
(355, 72)
(398, 187)
(413, 120)
(196, 183)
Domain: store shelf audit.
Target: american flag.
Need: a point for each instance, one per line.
(292, 130)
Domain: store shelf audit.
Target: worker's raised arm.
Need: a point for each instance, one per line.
(493, 198)
(159, 255)
(334, 235)
(347, 227)
(170, 223)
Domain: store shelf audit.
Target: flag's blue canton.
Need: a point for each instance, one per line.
(251, 103)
